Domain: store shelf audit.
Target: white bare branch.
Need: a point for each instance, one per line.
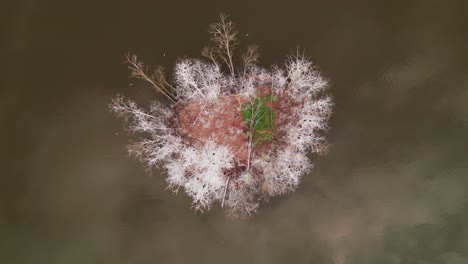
(224, 37)
(157, 80)
(250, 58)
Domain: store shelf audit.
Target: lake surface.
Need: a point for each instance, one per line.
(392, 189)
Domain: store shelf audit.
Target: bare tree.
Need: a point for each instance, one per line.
(250, 58)
(224, 38)
(157, 79)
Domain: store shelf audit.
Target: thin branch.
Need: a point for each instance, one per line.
(209, 53)
(225, 189)
(250, 57)
(225, 39)
(199, 113)
(158, 80)
(160, 77)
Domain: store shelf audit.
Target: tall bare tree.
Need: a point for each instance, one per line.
(224, 38)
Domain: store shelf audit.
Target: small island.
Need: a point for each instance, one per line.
(231, 131)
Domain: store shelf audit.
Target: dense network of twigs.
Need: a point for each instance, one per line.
(283, 114)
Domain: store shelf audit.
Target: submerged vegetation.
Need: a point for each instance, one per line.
(231, 131)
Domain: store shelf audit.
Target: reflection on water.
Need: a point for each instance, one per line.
(391, 189)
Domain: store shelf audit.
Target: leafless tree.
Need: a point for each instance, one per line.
(250, 58)
(224, 38)
(157, 79)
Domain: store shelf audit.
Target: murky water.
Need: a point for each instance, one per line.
(393, 188)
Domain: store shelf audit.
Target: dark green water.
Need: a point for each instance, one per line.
(393, 188)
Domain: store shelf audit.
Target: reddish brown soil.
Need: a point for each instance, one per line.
(222, 122)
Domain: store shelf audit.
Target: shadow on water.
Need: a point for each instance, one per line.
(391, 189)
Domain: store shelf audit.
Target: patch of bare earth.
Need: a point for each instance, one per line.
(221, 121)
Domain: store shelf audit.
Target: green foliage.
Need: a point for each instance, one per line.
(260, 118)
